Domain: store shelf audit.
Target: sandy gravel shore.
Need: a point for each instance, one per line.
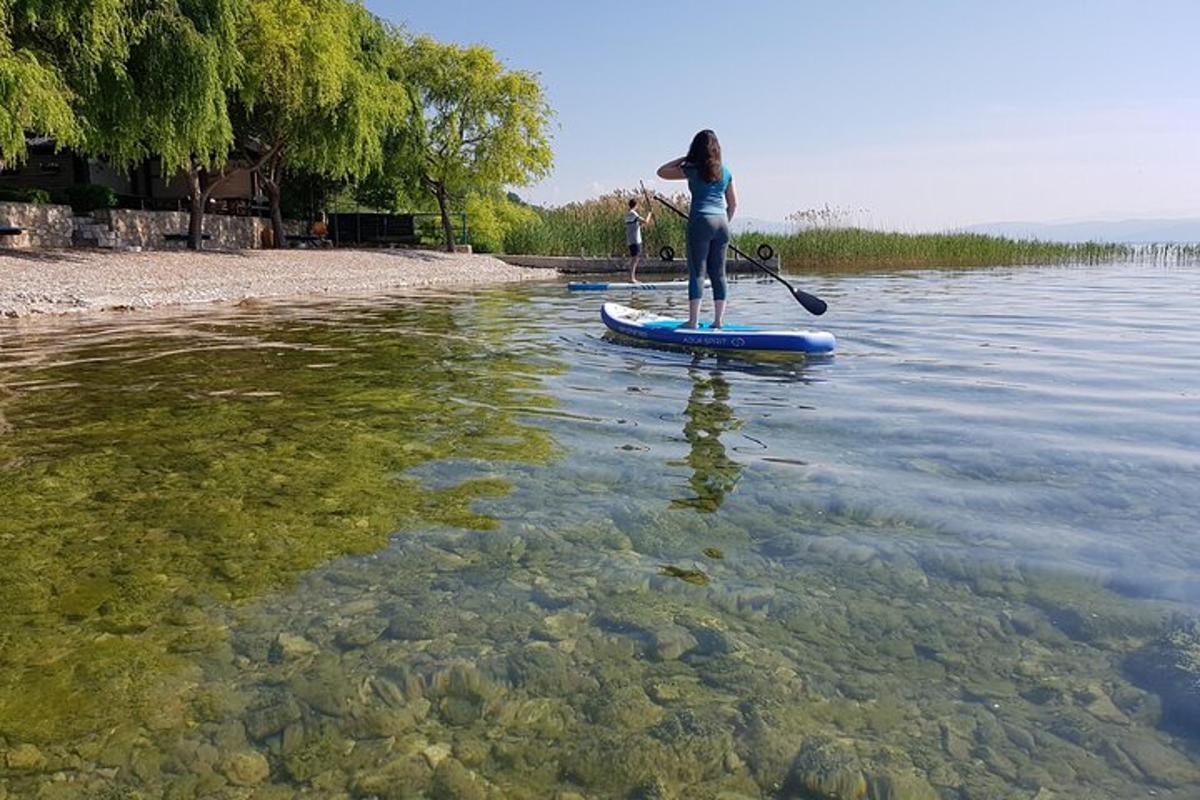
(67, 281)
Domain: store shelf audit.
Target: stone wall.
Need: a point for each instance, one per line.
(148, 230)
(54, 226)
(44, 225)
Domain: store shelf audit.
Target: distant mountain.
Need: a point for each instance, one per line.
(1130, 231)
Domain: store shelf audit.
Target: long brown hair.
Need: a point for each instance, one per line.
(705, 155)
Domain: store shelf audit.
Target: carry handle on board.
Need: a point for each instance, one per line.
(812, 304)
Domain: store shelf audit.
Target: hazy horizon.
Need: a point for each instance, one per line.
(929, 115)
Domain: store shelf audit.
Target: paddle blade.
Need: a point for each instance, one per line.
(812, 304)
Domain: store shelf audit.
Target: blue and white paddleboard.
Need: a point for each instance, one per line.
(665, 330)
(603, 286)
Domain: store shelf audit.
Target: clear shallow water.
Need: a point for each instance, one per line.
(415, 547)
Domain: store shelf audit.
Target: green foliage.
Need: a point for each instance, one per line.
(476, 124)
(169, 96)
(33, 96)
(322, 90)
(123, 78)
(492, 218)
(87, 197)
(316, 84)
(473, 126)
(24, 196)
(42, 46)
(596, 228)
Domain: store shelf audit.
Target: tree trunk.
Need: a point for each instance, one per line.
(277, 232)
(196, 219)
(271, 184)
(444, 207)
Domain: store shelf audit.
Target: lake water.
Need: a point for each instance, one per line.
(470, 547)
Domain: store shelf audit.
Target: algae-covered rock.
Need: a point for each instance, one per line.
(270, 720)
(1160, 764)
(404, 778)
(825, 770)
(24, 758)
(247, 768)
(453, 781)
(669, 642)
(1170, 667)
(623, 707)
(653, 789)
(899, 786)
(545, 671)
(289, 646)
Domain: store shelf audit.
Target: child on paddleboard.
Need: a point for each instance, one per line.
(714, 202)
(633, 236)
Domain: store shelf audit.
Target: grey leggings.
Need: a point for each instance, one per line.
(707, 239)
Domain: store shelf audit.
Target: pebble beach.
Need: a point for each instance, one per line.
(69, 281)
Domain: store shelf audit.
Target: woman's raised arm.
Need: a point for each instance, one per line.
(672, 170)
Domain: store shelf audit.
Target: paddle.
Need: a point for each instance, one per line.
(646, 194)
(812, 304)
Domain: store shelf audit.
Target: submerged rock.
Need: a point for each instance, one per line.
(1159, 763)
(247, 768)
(1170, 667)
(900, 786)
(403, 778)
(25, 758)
(655, 789)
(272, 719)
(825, 770)
(288, 646)
(669, 642)
(453, 781)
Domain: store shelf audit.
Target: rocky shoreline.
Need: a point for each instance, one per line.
(71, 281)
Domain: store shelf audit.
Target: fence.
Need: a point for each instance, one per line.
(375, 229)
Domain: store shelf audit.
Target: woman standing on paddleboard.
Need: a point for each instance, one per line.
(713, 204)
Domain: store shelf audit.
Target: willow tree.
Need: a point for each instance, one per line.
(124, 79)
(170, 99)
(319, 94)
(473, 125)
(52, 53)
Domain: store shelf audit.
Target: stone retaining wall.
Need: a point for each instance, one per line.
(44, 225)
(54, 227)
(148, 229)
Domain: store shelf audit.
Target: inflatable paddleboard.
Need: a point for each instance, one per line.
(603, 286)
(665, 330)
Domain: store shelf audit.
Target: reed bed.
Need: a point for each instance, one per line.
(593, 228)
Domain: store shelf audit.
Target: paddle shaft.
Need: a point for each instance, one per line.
(646, 194)
(813, 304)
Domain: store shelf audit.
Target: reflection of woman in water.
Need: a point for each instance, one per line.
(714, 474)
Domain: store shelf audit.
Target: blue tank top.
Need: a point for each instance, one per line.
(708, 197)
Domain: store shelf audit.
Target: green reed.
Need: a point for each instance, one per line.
(858, 246)
(594, 228)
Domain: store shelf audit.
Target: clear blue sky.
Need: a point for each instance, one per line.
(927, 114)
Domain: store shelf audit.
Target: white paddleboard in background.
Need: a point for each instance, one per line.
(603, 286)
